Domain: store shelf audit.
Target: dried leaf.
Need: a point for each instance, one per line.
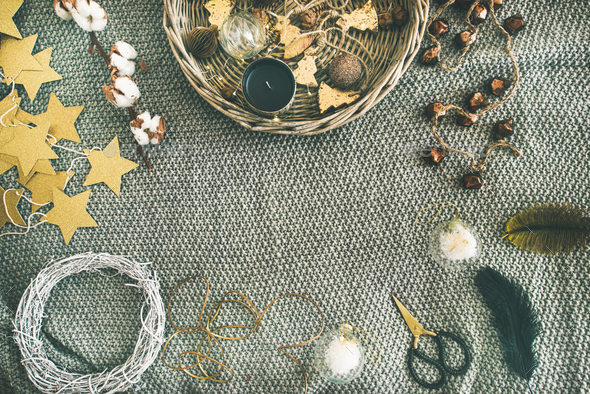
(331, 97)
(298, 46)
(304, 74)
(364, 18)
(289, 34)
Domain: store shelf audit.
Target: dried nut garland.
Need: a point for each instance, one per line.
(477, 104)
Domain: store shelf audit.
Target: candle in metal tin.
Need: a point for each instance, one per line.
(269, 87)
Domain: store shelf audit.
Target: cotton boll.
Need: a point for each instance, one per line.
(156, 140)
(157, 125)
(145, 119)
(117, 98)
(82, 21)
(124, 67)
(98, 24)
(127, 87)
(61, 10)
(124, 49)
(83, 8)
(142, 138)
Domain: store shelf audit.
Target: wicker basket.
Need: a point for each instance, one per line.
(392, 51)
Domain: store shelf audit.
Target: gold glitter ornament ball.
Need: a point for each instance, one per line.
(345, 71)
(202, 41)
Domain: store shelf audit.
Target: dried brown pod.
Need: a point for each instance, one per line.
(434, 155)
(499, 86)
(465, 38)
(430, 56)
(345, 71)
(439, 27)
(400, 15)
(202, 41)
(504, 129)
(229, 93)
(467, 121)
(261, 14)
(385, 20)
(473, 180)
(476, 101)
(308, 19)
(478, 14)
(435, 110)
(514, 24)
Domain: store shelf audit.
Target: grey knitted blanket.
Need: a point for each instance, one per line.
(330, 216)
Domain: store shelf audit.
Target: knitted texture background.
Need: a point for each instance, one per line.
(330, 216)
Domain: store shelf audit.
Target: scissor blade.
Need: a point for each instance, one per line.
(415, 327)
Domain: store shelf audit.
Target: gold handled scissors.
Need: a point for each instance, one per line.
(439, 363)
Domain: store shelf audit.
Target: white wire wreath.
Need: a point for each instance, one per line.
(48, 377)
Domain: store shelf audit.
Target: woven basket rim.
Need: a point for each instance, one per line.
(333, 119)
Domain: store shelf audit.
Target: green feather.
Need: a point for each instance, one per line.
(515, 319)
(549, 228)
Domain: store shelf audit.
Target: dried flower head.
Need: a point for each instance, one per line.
(147, 130)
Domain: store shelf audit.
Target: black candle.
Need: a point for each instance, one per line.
(269, 86)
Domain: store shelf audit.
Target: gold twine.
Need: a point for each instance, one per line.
(213, 335)
(361, 332)
(516, 78)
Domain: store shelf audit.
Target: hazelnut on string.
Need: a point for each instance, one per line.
(122, 55)
(400, 15)
(148, 130)
(430, 56)
(504, 129)
(439, 27)
(308, 19)
(499, 86)
(476, 101)
(88, 14)
(123, 92)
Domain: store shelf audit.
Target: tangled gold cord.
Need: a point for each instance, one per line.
(212, 334)
(516, 77)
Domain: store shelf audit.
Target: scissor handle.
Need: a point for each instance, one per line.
(415, 353)
(442, 353)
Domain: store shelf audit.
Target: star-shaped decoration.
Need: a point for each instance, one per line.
(42, 166)
(41, 186)
(61, 119)
(12, 198)
(9, 108)
(108, 166)
(29, 146)
(15, 55)
(69, 213)
(7, 11)
(32, 80)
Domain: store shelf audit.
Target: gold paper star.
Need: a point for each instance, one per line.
(61, 119)
(29, 146)
(15, 55)
(32, 80)
(69, 213)
(108, 166)
(41, 185)
(7, 11)
(9, 108)
(12, 198)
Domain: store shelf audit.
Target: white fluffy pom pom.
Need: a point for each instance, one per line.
(125, 50)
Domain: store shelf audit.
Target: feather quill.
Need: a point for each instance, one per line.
(549, 228)
(514, 318)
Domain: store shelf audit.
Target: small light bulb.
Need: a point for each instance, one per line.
(276, 119)
(309, 93)
(221, 79)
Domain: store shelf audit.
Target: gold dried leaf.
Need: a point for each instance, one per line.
(218, 10)
(332, 97)
(304, 74)
(364, 18)
(298, 46)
